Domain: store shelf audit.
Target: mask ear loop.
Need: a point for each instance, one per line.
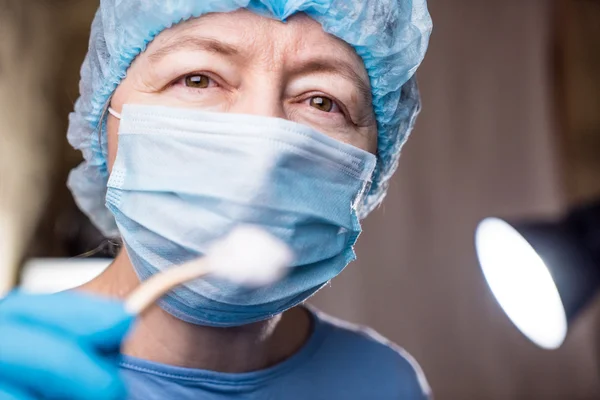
(106, 110)
(114, 113)
(102, 118)
(113, 244)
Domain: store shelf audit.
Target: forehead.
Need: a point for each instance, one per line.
(260, 35)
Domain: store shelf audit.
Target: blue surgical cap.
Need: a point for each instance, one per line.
(391, 36)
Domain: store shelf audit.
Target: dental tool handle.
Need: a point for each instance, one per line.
(247, 256)
(156, 286)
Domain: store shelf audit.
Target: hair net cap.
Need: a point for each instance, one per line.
(391, 36)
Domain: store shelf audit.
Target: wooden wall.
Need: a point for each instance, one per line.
(578, 95)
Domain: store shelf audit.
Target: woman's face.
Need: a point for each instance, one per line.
(247, 64)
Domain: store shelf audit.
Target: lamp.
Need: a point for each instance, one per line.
(543, 273)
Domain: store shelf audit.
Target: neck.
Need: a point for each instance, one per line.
(160, 337)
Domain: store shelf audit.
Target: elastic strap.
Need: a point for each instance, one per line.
(114, 113)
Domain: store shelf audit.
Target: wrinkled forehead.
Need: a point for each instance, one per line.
(257, 33)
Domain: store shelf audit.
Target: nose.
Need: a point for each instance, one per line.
(264, 97)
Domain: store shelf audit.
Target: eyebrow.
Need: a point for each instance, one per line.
(195, 43)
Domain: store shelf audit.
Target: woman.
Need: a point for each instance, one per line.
(195, 116)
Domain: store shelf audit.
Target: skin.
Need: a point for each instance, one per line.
(247, 64)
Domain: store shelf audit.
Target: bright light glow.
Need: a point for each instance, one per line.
(50, 275)
(521, 283)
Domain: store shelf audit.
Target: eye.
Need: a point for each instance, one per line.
(324, 104)
(197, 81)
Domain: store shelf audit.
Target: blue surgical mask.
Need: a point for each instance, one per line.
(184, 178)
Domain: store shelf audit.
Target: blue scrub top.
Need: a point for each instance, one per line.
(339, 361)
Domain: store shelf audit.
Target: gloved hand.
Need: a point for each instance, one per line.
(61, 346)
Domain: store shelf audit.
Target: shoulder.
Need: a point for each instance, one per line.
(363, 351)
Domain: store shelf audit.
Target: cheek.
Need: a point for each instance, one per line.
(367, 139)
(373, 142)
(112, 128)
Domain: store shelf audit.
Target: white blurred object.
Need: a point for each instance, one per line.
(247, 256)
(50, 275)
(521, 282)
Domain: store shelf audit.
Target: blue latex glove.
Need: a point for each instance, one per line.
(61, 346)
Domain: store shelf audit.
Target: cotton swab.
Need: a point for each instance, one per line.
(248, 256)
